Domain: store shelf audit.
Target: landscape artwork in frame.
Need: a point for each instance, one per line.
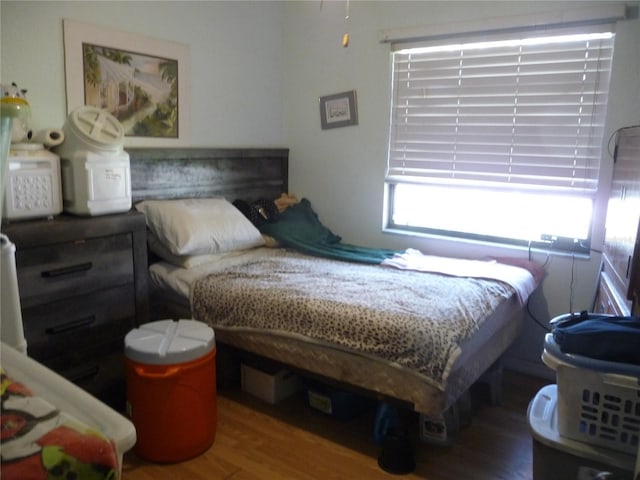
(141, 81)
(338, 110)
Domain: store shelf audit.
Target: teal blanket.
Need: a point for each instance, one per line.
(299, 228)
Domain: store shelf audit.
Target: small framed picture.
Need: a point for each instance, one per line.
(339, 110)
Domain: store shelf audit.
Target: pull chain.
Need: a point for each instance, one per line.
(345, 37)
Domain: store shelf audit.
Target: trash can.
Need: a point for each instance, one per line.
(556, 457)
(171, 389)
(597, 399)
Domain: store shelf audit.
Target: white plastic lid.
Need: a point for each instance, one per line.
(96, 127)
(543, 423)
(168, 342)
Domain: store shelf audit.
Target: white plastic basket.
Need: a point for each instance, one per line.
(598, 401)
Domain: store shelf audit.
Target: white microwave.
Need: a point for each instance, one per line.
(32, 185)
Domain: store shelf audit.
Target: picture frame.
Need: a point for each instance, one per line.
(339, 110)
(142, 81)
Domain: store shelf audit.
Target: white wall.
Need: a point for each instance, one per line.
(236, 59)
(342, 170)
(258, 69)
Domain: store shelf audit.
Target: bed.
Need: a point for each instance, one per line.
(314, 313)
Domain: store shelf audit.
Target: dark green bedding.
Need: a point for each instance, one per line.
(299, 228)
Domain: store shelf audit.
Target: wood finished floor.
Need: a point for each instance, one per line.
(290, 441)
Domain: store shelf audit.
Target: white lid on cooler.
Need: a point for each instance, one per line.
(168, 342)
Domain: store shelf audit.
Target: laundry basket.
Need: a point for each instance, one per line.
(598, 401)
(171, 389)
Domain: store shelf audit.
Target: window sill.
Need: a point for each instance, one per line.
(482, 247)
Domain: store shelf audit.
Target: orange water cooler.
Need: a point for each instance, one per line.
(171, 389)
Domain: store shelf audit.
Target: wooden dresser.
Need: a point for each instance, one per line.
(619, 286)
(83, 286)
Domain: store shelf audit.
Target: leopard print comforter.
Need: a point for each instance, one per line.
(415, 320)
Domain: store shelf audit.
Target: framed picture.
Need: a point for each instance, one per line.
(141, 81)
(338, 110)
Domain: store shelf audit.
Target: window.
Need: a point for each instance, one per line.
(499, 139)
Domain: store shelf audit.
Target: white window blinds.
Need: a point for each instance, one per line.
(517, 113)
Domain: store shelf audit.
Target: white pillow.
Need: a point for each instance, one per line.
(199, 226)
(184, 261)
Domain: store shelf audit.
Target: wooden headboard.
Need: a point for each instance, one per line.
(244, 173)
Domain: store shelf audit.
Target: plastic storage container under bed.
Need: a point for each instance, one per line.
(598, 401)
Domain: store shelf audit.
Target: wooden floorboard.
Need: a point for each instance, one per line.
(290, 441)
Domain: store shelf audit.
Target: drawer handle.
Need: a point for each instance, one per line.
(65, 327)
(84, 374)
(59, 272)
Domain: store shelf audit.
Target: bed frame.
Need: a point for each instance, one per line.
(252, 173)
(246, 173)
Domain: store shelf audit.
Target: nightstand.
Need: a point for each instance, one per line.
(83, 287)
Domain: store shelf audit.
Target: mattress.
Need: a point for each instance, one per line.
(386, 380)
(468, 334)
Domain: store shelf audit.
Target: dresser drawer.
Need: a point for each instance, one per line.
(78, 323)
(608, 299)
(99, 371)
(62, 270)
(83, 287)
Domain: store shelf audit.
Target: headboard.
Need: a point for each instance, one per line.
(244, 173)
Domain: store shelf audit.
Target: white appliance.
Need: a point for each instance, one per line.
(32, 187)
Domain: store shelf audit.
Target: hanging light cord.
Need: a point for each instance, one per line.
(345, 37)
